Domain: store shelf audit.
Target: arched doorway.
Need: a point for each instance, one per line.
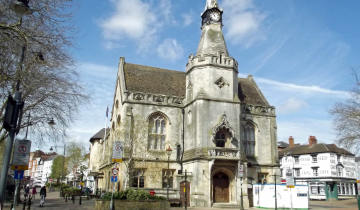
(220, 188)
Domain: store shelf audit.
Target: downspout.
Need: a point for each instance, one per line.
(183, 138)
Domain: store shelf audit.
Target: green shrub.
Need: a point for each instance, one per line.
(132, 195)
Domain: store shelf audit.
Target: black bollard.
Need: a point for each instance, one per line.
(73, 199)
(80, 200)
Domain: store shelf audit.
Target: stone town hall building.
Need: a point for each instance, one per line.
(212, 120)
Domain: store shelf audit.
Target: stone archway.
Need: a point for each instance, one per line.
(221, 188)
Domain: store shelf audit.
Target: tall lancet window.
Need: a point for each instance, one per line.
(157, 132)
(248, 138)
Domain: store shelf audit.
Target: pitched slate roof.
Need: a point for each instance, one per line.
(249, 92)
(147, 79)
(153, 80)
(313, 149)
(100, 134)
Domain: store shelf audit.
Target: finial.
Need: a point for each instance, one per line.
(211, 4)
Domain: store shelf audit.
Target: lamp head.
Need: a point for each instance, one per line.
(168, 150)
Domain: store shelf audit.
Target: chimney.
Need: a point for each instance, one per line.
(312, 140)
(291, 142)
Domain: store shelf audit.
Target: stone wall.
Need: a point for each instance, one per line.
(133, 205)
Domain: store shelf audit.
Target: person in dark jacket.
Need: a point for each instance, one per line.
(42, 195)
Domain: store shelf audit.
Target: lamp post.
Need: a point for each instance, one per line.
(168, 152)
(14, 106)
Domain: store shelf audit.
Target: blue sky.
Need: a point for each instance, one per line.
(300, 52)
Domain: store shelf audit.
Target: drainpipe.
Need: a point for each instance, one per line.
(183, 138)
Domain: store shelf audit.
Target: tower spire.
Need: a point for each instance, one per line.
(212, 39)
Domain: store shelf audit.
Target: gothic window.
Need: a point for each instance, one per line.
(157, 132)
(220, 138)
(248, 139)
(167, 178)
(118, 120)
(138, 179)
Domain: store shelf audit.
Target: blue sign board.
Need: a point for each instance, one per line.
(18, 174)
(114, 178)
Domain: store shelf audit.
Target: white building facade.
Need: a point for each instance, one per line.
(329, 171)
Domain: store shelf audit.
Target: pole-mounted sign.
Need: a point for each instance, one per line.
(118, 151)
(21, 155)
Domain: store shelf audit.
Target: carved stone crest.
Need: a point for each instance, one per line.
(138, 96)
(221, 82)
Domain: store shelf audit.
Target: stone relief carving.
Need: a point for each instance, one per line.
(138, 96)
(221, 82)
(159, 98)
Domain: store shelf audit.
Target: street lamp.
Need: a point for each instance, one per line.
(14, 106)
(168, 152)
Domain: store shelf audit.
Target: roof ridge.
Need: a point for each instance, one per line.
(157, 68)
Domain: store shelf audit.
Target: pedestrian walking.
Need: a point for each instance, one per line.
(42, 196)
(33, 192)
(26, 191)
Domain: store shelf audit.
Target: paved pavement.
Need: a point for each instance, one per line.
(54, 202)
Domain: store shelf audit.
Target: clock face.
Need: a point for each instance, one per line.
(215, 16)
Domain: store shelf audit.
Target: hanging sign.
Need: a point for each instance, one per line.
(21, 155)
(241, 170)
(118, 151)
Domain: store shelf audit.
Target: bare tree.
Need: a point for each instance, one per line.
(347, 120)
(48, 81)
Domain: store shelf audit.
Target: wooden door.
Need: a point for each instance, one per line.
(184, 190)
(221, 188)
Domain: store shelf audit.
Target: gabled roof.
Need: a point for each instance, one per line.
(100, 134)
(147, 79)
(250, 93)
(313, 149)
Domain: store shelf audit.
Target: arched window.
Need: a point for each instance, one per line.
(157, 132)
(248, 139)
(220, 137)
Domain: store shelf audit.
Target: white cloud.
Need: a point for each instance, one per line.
(303, 88)
(242, 22)
(187, 19)
(291, 105)
(170, 49)
(133, 19)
